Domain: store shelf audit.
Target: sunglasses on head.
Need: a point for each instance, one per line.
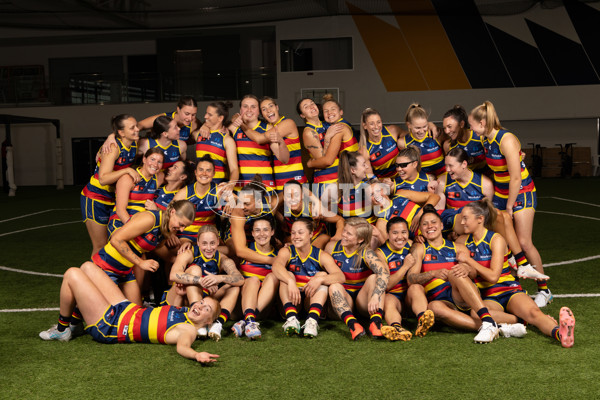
(403, 164)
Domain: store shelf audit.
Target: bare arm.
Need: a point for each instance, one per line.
(312, 143)
(231, 155)
(106, 173)
(332, 150)
(414, 275)
(381, 270)
(184, 335)
(511, 150)
(122, 191)
(138, 225)
(239, 241)
(233, 277)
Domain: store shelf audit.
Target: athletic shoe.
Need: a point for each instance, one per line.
(291, 326)
(512, 262)
(543, 298)
(203, 332)
(77, 330)
(54, 334)
(487, 333)
(425, 323)
(512, 330)
(238, 328)
(215, 331)
(527, 271)
(396, 333)
(375, 330)
(310, 328)
(252, 331)
(357, 331)
(566, 327)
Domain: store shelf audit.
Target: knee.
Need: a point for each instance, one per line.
(334, 288)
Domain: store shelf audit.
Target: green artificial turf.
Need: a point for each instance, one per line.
(445, 364)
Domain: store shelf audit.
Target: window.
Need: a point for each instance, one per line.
(316, 54)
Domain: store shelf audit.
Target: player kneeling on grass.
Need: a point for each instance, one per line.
(448, 288)
(216, 274)
(111, 318)
(499, 289)
(366, 278)
(260, 285)
(304, 272)
(396, 252)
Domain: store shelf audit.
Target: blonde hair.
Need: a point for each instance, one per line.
(367, 112)
(364, 232)
(207, 228)
(328, 97)
(183, 209)
(415, 110)
(486, 112)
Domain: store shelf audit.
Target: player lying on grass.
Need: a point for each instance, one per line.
(111, 318)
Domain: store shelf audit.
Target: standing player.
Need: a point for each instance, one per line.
(165, 136)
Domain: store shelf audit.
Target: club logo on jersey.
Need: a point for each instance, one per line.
(125, 330)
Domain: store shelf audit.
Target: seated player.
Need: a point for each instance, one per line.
(499, 289)
(204, 266)
(260, 285)
(304, 272)
(398, 294)
(366, 278)
(111, 318)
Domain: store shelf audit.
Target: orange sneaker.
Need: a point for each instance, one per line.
(396, 333)
(566, 327)
(425, 323)
(357, 331)
(375, 330)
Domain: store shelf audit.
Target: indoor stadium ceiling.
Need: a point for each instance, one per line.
(84, 15)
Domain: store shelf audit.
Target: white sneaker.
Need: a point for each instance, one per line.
(54, 334)
(203, 332)
(238, 328)
(512, 330)
(291, 326)
(487, 333)
(215, 331)
(527, 271)
(512, 262)
(252, 331)
(543, 298)
(310, 328)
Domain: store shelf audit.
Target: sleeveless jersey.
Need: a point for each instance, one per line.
(304, 269)
(172, 152)
(399, 207)
(164, 197)
(149, 325)
(497, 162)
(254, 158)
(205, 204)
(250, 269)
(215, 147)
(207, 265)
(293, 169)
(289, 217)
(109, 259)
(145, 189)
(383, 155)
(482, 253)
(354, 203)
(355, 271)
(106, 193)
(419, 184)
(185, 130)
(474, 149)
(458, 196)
(395, 259)
(434, 258)
(350, 144)
(330, 173)
(432, 155)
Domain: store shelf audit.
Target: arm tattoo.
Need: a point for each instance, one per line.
(188, 279)
(233, 275)
(419, 278)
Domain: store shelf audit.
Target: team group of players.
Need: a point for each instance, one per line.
(431, 221)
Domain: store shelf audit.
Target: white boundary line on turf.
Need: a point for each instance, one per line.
(14, 310)
(39, 227)
(568, 215)
(39, 212)
(569, 200)
(572, 261)
(22, 271)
